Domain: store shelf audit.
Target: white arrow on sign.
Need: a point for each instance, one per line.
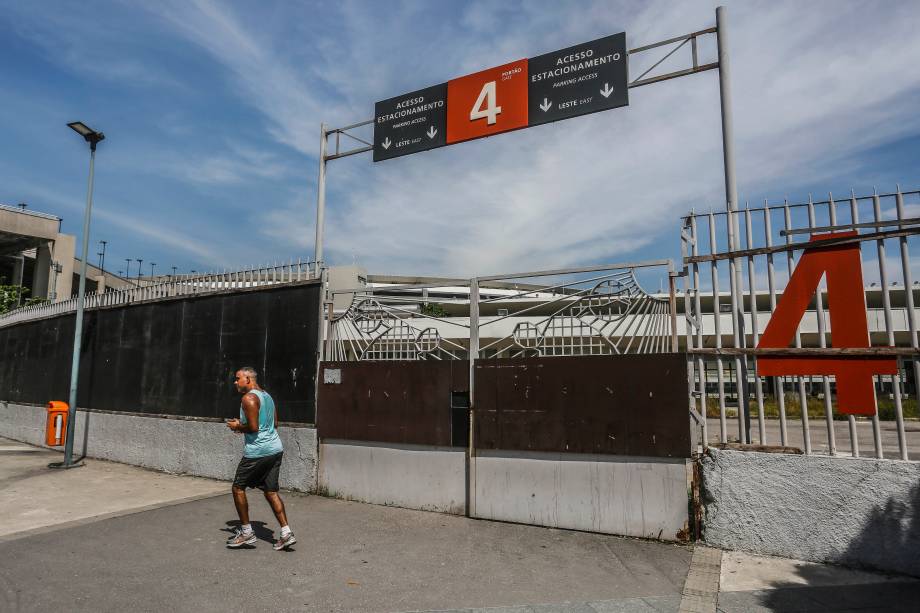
(431, 132)
(546, 105)
(386, 143)
(606, 91)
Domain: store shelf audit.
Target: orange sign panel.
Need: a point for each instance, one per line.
(488, 102)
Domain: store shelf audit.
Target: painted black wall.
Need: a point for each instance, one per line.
(174, 357)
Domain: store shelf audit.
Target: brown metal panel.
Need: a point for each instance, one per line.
(620, 405)
(406, 402)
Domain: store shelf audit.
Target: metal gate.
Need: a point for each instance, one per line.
(732, 400)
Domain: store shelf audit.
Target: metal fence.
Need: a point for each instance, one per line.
(400, 322)
(723, 328)
(171, 287)
(600, 310)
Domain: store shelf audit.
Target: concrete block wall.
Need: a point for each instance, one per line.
(852, 511)
(205, 448)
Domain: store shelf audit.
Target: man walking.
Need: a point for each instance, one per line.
(261, 460)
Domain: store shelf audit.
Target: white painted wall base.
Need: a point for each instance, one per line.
(410, 476)
(204, 448)
(853, 511)
(640, 497)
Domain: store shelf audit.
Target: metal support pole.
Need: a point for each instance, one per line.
(320, 198)
(725, 96)
(731, 201)
(78, 326)
(474, 353)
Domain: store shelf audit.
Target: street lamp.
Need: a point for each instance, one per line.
(140, 271)
(93, 138)
(102, 256)
(152, 264)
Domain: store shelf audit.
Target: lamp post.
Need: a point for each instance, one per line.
(140, 271)
(102, 256)
(152, 265)
(93, 138)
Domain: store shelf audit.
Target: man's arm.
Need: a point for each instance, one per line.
(251, 410)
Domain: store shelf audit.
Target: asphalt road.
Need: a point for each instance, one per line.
(349, 557)
(123, 551)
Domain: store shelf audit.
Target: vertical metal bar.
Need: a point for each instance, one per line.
(889, 328)
(330, 330)
(822, 334)
(474, 354)
(803, 396)
(688, 335)
(320, 198)
(701, 366)
(672, 303)
(911, 317)
(851, 419)
(755, 334)
(717, 317)
(779, 390)
(694, 53)
(734, 283)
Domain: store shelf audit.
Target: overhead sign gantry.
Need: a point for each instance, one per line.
(577, 80)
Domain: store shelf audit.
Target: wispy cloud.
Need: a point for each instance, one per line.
(136, 226)
(806, 95)
(815, 87)
(234, 165)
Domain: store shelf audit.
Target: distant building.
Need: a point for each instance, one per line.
(35, 254)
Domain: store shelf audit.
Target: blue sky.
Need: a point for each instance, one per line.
(212, 111)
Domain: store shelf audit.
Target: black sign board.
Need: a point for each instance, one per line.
(410, 123)
(578, 80)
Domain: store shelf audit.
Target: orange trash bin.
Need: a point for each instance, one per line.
(56, 428)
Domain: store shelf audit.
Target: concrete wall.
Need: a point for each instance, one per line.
(64, 248)
(183, 446)
(641, 497)
(859, 512)
(410, 476)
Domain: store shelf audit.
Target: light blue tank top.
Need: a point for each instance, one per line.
(266, 441)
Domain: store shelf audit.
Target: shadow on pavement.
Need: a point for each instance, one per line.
(263, 533)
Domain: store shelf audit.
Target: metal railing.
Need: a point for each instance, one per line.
(599, 310)
(23, 211)
(172, 287)
(723, 346)
(398, 322)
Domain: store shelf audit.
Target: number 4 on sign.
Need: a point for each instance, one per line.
(486, 97)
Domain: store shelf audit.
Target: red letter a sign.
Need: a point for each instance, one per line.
(847, 305)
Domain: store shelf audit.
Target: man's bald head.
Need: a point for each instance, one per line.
(246, 379)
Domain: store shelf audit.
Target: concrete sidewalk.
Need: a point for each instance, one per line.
(35, 498)
(137, 546)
